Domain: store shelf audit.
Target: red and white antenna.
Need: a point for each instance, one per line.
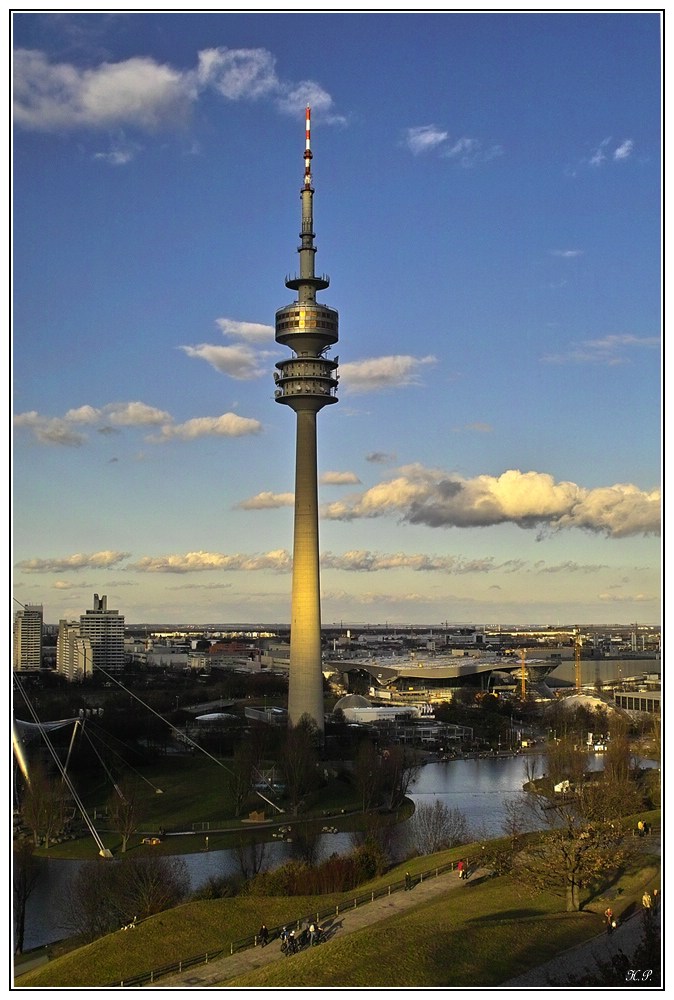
(307, 150)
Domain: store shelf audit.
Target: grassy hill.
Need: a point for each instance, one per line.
(499, 930)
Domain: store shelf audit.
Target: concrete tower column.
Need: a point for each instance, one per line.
(305, 695)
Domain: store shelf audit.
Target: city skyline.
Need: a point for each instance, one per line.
(488, 208)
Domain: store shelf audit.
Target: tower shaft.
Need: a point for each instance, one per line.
(306, 382)
(305, 689)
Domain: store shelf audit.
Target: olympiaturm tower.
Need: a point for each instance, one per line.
(306, 382)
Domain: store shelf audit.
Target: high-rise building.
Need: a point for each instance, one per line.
(74, 655)
(105, 631)
(306, 382)
(28, 637)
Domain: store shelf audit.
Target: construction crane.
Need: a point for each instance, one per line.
(577, 645)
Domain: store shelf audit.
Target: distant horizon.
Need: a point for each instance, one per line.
(387, 626)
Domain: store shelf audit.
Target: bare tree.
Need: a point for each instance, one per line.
(25, 875)
(306, 843)
(299, 760)
(152, 884)
(105, 895)
(515, 814)
(436, 826)
(368, 774)
(566, 760)
(400, 766)
(90, 905)
(250, 854)
(43, 806)
(240, 777)
(124, 811)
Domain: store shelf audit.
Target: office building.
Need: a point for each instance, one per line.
(105, 631)
(28, 638)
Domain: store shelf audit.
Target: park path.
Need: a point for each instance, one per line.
(222, 970)
(571, 963)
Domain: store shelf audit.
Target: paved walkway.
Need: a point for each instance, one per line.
(585, 958)
(222, 970)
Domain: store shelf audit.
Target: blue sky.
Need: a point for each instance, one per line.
(488, 208)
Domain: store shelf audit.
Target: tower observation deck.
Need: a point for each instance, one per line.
(306, 382)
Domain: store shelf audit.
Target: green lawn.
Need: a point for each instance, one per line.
(488, 934)
(194, 791)
(480, 937)
(498, 931)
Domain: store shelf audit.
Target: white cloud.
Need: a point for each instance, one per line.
(464, 150)
(144, 94)
(50, 430)
(238, 73)
(392, 372)
(254, 332)
(528, 499)
(294, 98)
(468, 152)
(120, 153)
(601, 154)
(226, 425)
(139, 92)
(94, 560)
(609, 350)
(624, 150)
(422, 138)
(59, 430)
(628, 598)
(267, 501)
(239, 361)
(84, 415)
(365, 561)
(134, 414)
(339, 479)
(278, 560)
(566, 253)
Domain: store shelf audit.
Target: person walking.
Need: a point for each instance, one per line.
(461, 869)
(408, 881)
(610, 922)
(263, 935)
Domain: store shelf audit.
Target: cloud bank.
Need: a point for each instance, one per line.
(62, 430)
(95, 560)
(439, 499)
(278, 560)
